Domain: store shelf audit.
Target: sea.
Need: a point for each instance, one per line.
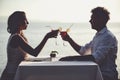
(81, 33)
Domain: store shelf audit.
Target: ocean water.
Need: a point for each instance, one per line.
(80, 32)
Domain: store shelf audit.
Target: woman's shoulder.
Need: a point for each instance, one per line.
(15, 37)
(14, 40)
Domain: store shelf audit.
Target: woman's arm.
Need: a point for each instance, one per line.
(19, 41)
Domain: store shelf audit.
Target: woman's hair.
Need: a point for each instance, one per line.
(15, 20)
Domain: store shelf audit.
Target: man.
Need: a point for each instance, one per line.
(103, 47)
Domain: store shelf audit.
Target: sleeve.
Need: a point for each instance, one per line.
(85, 48)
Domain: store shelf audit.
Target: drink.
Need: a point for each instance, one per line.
(63, 33)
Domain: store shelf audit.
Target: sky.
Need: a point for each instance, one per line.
(59, 10)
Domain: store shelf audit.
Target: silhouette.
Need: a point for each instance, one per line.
(18, 47)
(103, 47)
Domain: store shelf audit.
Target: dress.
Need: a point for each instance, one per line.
(14, 57)
(103, 48)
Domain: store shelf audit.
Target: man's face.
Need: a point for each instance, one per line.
(95, 22)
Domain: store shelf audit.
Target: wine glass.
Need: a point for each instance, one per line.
(63, 33)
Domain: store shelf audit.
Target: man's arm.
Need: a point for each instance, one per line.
(74, 45)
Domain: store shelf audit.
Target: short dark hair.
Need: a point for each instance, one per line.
(101, 12)
(15, 20)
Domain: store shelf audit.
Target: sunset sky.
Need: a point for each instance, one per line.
(59, 10)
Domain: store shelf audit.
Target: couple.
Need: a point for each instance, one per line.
(103, 46)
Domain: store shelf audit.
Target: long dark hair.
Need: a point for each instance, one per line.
(15, 20)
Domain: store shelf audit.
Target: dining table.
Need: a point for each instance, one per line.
(58, 70)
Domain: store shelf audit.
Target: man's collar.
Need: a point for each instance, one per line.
(102, 31)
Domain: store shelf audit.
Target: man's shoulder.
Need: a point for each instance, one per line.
(109, 33)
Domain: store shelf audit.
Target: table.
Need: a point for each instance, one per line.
(58, 70)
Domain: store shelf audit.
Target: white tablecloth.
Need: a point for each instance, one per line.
(57, 70)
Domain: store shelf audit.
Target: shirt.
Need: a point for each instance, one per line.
(103, 47)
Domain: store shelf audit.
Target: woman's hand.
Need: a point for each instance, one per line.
(52, 34)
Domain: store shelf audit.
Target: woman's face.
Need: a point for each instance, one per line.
(24, 25)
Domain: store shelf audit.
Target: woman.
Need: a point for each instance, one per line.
(18, 46)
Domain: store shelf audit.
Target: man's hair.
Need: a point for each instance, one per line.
(101, 12)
